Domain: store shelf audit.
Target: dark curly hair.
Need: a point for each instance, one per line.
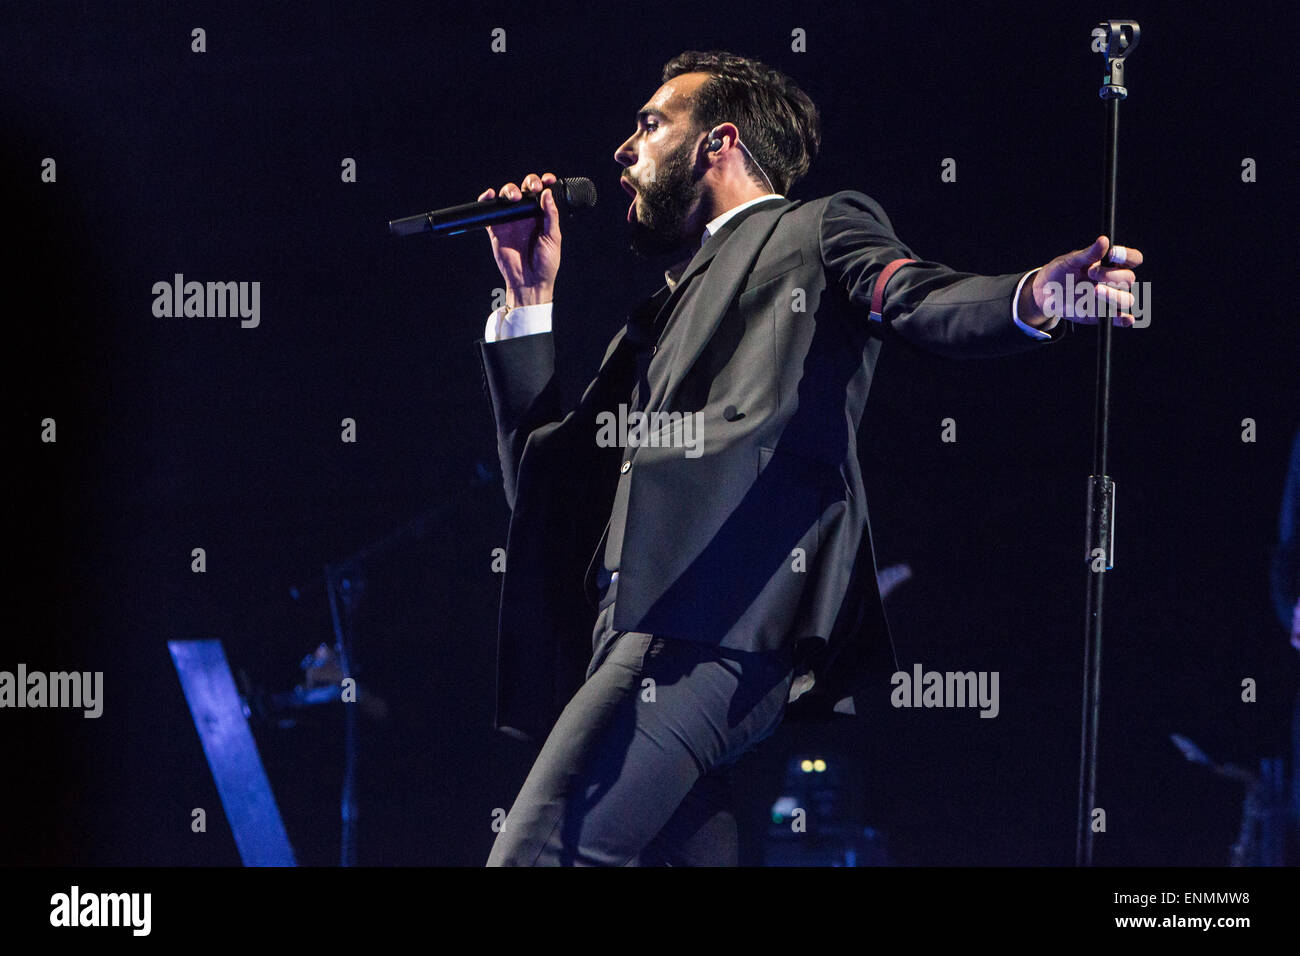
(778, 123)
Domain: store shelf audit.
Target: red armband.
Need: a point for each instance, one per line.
(878, 294)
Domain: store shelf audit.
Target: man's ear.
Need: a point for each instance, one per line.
(704, 157)
(727, 133)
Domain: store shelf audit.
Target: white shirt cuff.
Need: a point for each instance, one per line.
(506, 323)
(1015, 312)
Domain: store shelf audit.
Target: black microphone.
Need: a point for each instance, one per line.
(575, 192)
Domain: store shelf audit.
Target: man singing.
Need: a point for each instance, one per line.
(711, 580)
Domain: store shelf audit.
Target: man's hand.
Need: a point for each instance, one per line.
(1041, 301)
(527, 251)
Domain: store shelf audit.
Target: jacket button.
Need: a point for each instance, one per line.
(654, 349)
(627, 466)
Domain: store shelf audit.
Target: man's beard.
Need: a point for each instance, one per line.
(659, 225)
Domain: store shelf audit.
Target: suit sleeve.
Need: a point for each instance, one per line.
(519, 378)
(941, 310)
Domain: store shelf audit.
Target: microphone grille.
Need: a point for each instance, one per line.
(579, 192)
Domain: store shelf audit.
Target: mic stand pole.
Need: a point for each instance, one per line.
(1121, 39)
(344, 584)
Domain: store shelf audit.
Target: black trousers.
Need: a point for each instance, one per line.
(636, 771)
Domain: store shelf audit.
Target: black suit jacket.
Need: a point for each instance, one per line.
(763, 540)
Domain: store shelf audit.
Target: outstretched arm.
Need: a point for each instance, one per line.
(958, 314)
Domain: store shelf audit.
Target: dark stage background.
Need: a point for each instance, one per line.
(185, 432)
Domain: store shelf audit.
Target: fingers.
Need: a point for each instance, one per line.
(1114, 284)
(1082, 257)
(535, 184)
(1115, 299)
(1125, 256)
(1099, 273)
(1097, 254)
(1112, 289)
(550, 212)
(508, 191)
(1110, 271)
(531, 183)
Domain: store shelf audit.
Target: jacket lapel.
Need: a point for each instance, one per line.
(720, 282)
(710, 249)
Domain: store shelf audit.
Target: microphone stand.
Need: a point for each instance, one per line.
(344, 584)
(1121, 39)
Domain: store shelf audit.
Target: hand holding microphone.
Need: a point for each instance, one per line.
(523, 223)
(527, 251)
